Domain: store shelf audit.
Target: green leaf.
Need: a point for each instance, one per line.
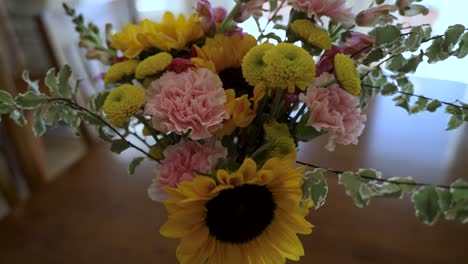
(379, 2)
(352, 183)
(452, 35)
(462, 50)
(379, 189)
(435, 51)
(454, 122)
(454, 110)
(419, 106)
(6, 109)
(32, 85)
(412, 63)
(53, 115)
(370, 173)
(31, 100)
(273, 4)
(395, 63)
(389, 89)
(414, 40)
(459, 189)
(18, 117)
(63, 77)
(426, 203)
(51, 82)
(373, 56)
(385, 35)
(105, 135)
(97, 101)
(403, 102)
(119, 145)
(6, 99)
(90, 119)
(135, 162)
(303, 132)
(405, 188)
(315, 187)
(445, 203)
(38, 125)
(433, 105)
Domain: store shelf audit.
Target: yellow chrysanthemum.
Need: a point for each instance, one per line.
(171, 33)
(224, 51)
(253, 64)
(240, 113)
(251, 216)
(153, 65)
(120, 70)
(346, 74)
(127, 41)
(288, 67)
(123, 102)
(312, 34)
(282, 144)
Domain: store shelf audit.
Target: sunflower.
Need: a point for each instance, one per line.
(224, 54)
(171, 32)
(247, 216)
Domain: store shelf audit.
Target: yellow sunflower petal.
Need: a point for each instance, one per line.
(286, 242)
(195, 247)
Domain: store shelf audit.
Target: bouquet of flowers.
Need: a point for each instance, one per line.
(220, 113)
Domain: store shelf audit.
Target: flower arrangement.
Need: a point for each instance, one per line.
(221, 112)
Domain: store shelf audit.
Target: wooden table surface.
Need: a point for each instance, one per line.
(96, 213)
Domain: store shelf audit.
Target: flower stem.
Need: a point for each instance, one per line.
(231, 15)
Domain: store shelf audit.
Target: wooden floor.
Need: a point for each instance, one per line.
(96, 213)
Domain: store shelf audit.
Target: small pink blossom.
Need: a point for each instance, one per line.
(336, 10)
(188, 102)
(209, 16)
(335, 111)
(180, 163)
(250, 8)
(379, 15)
(179, 65)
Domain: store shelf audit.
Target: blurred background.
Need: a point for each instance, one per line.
(69, 199)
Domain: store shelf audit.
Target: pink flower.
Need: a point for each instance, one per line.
(335, 111)
(180, 163)
(248, 9)
(188, 102)
(376, 15)
(336, 10)
(208, 15)
(179, 65)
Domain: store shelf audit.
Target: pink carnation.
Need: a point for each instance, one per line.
(336, 10)
(334, 110)
(180, 162)
(191, 101)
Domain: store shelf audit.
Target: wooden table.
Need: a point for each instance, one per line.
(95, 213)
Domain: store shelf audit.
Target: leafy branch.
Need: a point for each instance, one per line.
(78, 107)
(430, 201)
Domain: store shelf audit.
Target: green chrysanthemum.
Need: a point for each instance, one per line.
(123, 102)
(347, 74)
(288, 67)
(279, 137)
(312, 34)
(153, 65)
(120, 70)
(253, 64)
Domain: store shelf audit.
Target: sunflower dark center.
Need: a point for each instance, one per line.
(232, 78)
(240, 214)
